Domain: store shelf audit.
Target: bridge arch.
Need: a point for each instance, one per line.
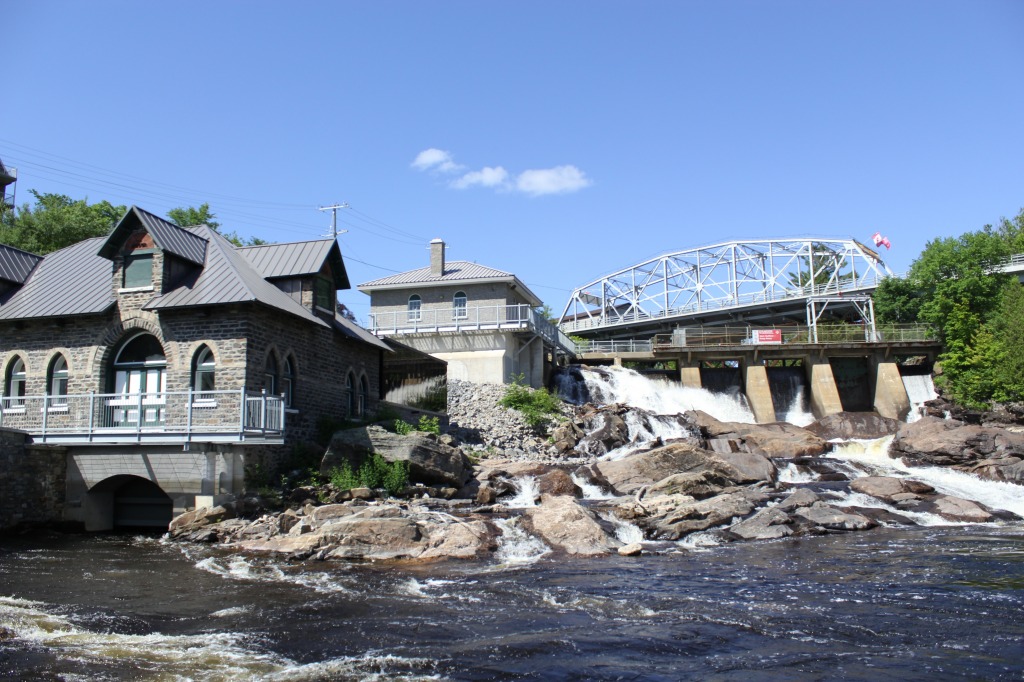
(127, 501)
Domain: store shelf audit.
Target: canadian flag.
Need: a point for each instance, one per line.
(880, 240)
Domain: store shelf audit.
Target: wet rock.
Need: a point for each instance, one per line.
(889, 488)
(632, 549)
(458, 539)
(831, 518)
(605, 430)
(801, 497)
(558, 482)
(768, 524)
(629, 474)
(947, 442)
(562, 523)
(670, 517)
(486, 495)
(197, 518)
(780, 439)
(957, 509)
(850, 425)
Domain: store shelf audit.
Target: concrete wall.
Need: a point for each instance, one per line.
(485, 357)
(442, 297)
(31, 482)
(204, 470)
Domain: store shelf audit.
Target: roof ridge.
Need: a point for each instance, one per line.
(300, 241)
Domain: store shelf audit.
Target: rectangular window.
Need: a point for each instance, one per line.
(138, 271)
(324, 294)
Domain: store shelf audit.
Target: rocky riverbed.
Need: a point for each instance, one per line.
(587, 488)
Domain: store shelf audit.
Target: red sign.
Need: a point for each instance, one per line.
(767, 336)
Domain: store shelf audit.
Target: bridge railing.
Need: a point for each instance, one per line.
(826, 334)
(468, 318)
(182, 415)
(618, 346)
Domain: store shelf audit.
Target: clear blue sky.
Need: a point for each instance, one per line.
(557, 140)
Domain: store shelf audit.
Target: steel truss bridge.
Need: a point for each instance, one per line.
(748, 282)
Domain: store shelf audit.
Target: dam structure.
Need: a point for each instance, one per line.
(770, 319)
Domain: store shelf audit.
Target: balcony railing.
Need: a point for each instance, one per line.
(167, 417)
(468, 318)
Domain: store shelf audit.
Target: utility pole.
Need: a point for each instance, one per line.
(334, 217)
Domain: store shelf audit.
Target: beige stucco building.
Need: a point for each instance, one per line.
(483, 322)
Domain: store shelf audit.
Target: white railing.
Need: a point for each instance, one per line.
(468, 318)
(226, 416)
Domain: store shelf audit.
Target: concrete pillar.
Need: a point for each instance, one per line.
(891, 399)
(824, 394)
(690, 377)
(759, 393)
(617, 361)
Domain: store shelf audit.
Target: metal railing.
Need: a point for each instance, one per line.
(702, 337)
(620, 346)
(229, 416)
(468, 318)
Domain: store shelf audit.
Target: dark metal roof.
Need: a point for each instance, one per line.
(228, 278)
(297, 259)
(15, 264)
(354, 331)
(167, 236)
(455, 272)
(72, 281)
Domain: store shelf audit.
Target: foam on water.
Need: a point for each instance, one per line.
(527, 492)
(873, 455)
(516, 547)
(625, 532)
(920, 389)
(591, 491)
(245, 569)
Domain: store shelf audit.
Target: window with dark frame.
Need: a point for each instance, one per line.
(138, 270)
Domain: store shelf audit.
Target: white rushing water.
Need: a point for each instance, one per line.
(527, 492)
(920, 389)
(516, 547)
(872, 456)
(589, 490)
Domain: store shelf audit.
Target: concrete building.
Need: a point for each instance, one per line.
(482, 321)
(168, 362)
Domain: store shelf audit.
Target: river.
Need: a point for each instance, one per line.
(939, 601)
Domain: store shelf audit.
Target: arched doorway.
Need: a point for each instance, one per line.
(127, 501)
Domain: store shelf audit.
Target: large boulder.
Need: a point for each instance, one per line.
(990, 452)
(563, 523)
(605, 431)
(430, 460)
(850, 425)
(890, 489)
(768, 524)
(670, 517)
(681, 467)
(776, 440)
(191, 521)
(830, 518)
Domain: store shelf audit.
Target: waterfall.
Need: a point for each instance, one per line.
(590, 490)
(527, 492)
(620, 385)
(872, 455)
(920, 389)
(516, 546)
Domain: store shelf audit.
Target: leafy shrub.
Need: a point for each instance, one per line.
(374, 472)
(402, 428)
(537, 407)
(429, 425)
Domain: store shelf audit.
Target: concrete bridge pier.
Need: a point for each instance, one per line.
(759, 393)
(690, 376)
(891, 399)
(824, 393)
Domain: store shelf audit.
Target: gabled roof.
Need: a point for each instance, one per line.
(166, 235)
(228, 277)
(71, 281)
(15, 264)
(354, 331)
(455, 272)
(298, 259)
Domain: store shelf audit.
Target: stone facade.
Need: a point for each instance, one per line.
(31, 482)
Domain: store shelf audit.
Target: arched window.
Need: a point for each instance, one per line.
(270, 375)
(364, 395)
(204, 373)
(350, 394)
(288, 380)
(414, 307)
(459, 305)
(57, 381)
(14, 384)
(140, 368)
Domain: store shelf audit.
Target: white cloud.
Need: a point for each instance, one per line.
(435, 159)
(485, 177)
(558, 180)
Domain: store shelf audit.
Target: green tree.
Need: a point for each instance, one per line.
(56, 221)
(897, 301)
(190, 215)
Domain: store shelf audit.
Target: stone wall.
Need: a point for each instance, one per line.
(31, 482)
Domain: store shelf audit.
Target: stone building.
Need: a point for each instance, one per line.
(166, 362)
(484, 322)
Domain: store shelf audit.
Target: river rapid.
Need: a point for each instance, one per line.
(937, 601)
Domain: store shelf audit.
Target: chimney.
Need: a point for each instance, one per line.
(437, 257)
